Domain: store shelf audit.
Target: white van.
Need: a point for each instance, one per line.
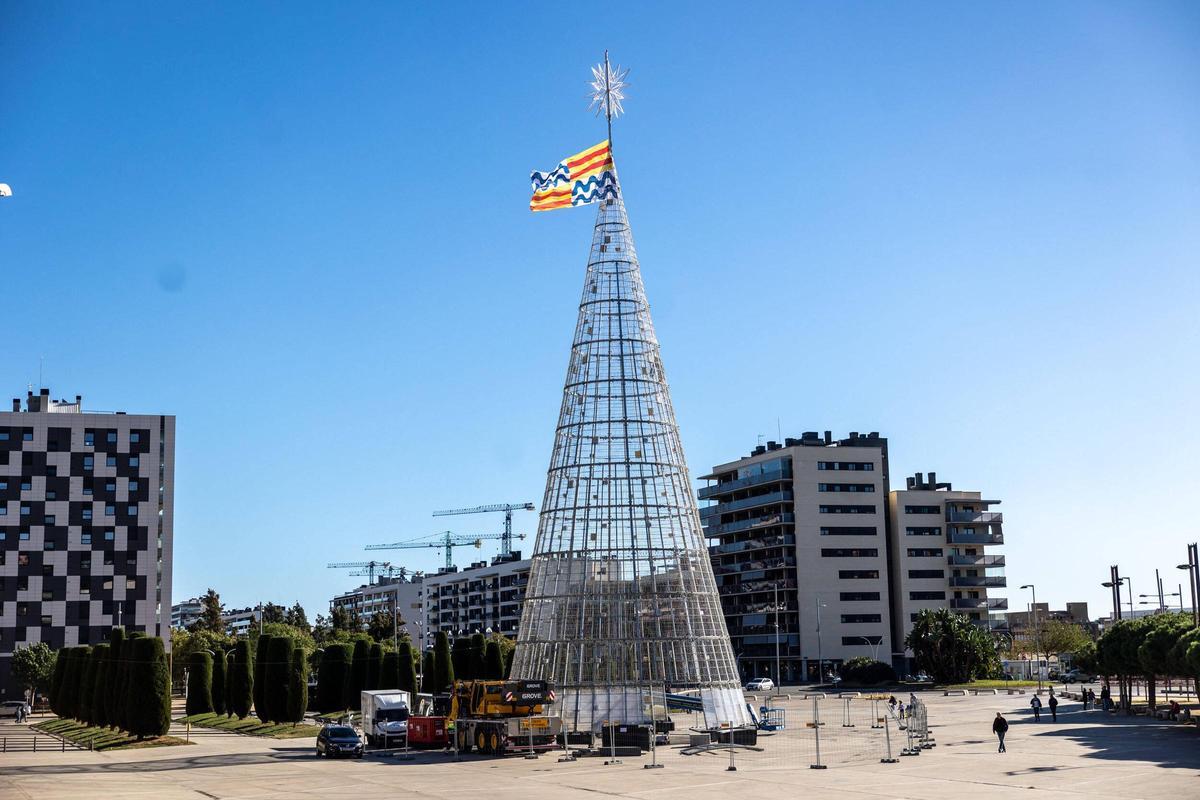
(385, 717)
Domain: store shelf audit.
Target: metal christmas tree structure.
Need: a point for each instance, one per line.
(621, 603)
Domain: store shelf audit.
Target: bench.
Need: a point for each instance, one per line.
(814, 695)
(955, 692)
(978, 692)
(847, 695)
(1016, 691)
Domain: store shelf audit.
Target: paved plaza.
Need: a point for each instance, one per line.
(1086, 754)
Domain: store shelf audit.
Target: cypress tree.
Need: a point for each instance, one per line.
(493, 661)
(374, 667)
(99, 706)
(333, 677)
(297, 690)
(87, 685)
(407, 679)
(57, 679)
(199, 685)
(241, 680)
(389, 671)
(71, 680)
(149, 681)
(508, 657)
(127, 688)
(460, 658)
(260, 676)
(112, 695)
(358, 673)
(278, 669)
(478, 645)
(428, 670)
(219, 675)
(443, 665)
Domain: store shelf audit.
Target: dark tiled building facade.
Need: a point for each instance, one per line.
(86, 513)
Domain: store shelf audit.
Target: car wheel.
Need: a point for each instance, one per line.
(318, 752)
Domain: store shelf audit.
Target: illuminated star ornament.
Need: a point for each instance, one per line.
(608, 89)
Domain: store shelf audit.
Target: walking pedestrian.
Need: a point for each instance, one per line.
(1000, 727)
(1036, 705)
(1053, 707)
(1105, 697)
(1091, 696)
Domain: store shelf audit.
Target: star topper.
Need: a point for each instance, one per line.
(608, 89)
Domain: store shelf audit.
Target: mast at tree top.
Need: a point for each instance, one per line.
(608, 92)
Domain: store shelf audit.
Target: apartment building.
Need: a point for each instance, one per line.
(798, 539)
(184, 614)
(486, 596)
(943, 542)
(404, 594)
(86, 525)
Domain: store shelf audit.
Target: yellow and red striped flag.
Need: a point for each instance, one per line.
(583, 178)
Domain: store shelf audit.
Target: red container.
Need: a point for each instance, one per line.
(427, 732)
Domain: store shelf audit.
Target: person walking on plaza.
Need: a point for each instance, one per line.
(1000, 727)
(1105, 697)
(1091, 696)
(1036, 705)
(1053, 707)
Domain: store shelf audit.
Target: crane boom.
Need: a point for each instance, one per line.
(507, 508)
(369, 566)
(447, 542)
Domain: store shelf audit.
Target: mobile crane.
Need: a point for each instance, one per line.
(497, 717)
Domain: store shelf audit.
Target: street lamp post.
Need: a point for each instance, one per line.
(778, 674)
(820, 657)
(873, 645)
(1037, 632)
(1193, 580)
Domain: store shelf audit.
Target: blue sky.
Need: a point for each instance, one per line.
(303, 229)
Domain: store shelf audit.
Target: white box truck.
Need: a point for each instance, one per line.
(385, 717)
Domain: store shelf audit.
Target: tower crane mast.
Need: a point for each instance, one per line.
(505, 538)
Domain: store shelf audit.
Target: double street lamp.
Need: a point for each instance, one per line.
(1193, 568)
(1037, 633)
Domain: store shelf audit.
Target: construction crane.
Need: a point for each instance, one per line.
(369, 566)
(507, 508)
(390, 571)
(448, 541)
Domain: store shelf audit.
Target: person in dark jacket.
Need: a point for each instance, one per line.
(1053, 707)
(1000, 727)
(1036, 705)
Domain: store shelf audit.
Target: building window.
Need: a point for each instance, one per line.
(926, 595)
(87, 514)
(848, 531)
(111, 437)
(86, 561)
(50, 519)
(867, 488)
(110, 511)
(48, 544)
(24, 511)
(89, 462)
(133, 486)
(131, 583)
(47, 595)
(109, 535)
(854, 619)
(132, 510)
(3, 486)
(858, 574)
(107, 584)
(3, 436)
(27, 436)
(848, 641)
(87, 491)
(846, 466)
(3, 511)
(110, 486)
(110, 461)
(89, 439)
(926, 573)
(135, 437)
(922, 510)
(858, 597)
(26, 485)
(23, 536)
(85, 589)
(847, 509)
(22, 580)
(85, 538)
(51, 494)
(924, 552)
(849, 552)
(923, 531)
(134, 461)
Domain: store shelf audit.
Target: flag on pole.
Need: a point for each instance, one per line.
(580, 179)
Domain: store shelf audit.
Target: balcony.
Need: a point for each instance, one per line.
(769, 498)
(975, 561)
(975, 517)
(979, 603)
(751, 544)
(714, 529)
(741, 483)
(991, 624)
(955, 536)
(978, 580)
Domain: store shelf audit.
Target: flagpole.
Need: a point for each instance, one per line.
(608, 101)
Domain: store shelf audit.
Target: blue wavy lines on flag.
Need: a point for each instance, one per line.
(594, 189)
(548, 180)
(586, 177)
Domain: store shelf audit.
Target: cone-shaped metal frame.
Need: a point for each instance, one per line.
(621, 599)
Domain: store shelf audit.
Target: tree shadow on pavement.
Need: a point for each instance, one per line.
(277, 755)
(1121, 738)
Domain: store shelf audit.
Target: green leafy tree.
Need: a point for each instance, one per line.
(863, 671)
(340, 619)
(297, 690)
(273, 613)
(260, 676)
(113, 699)
(99, 707)
(199, 684)
(507, 648)
(374, 666)
(358, 671)
(950, 647)
(296, 617)
(241, 680)
(185, 642)
(508, 659)
(33, 667)
(493, 661)
(380, 627)
(149, 711)
(406, 677)
(219, 677)
(1155, 651)
(210, 614)
(443, 665)
(333, 677)
(278, 676)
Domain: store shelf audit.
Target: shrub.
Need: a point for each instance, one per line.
(374, 666)
(112, 677)
(863, 671)
(389, 671)
(406, 678)
(260, 676)
(333, 677)
(87, 685)
(358, 672)
(57, 679)
(493, 661)
(99, 707)
(199, 684)
(443, 666)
